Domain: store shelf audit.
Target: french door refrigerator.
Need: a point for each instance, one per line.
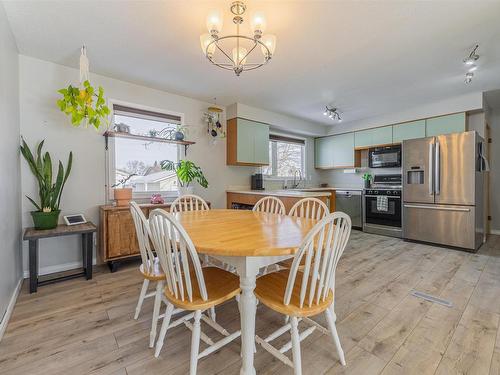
(443, 190)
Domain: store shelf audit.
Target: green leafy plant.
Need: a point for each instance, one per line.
(49, 191)
(186, 172)
(84, 104)
(367, 177)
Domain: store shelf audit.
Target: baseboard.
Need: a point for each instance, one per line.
(10, 308)
(58, 268)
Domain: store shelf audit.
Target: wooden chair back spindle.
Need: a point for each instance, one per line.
(143, 235)
(270, 205)
(176, 251)
(189, 202)
(311, 208)
(322, 249)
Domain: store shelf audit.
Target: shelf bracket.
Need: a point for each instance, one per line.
(185, 149)
(106, 141)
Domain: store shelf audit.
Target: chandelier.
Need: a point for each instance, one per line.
(237, 52)
(332, 113)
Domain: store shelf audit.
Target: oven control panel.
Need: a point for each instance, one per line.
(388, 192)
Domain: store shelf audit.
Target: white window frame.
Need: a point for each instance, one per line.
(111, 152)
(274, 156)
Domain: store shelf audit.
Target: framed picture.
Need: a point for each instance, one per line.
(74, 219)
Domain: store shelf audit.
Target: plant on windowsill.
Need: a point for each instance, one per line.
(187, 172)
(84, 103)
(47, 214)
(123, 195)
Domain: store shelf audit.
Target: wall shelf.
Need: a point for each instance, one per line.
(115, 134)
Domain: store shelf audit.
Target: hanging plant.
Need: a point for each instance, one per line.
(84, 102)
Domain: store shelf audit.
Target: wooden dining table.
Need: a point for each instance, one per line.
(248, 241)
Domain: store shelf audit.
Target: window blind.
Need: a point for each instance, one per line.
(281, 138)
(145, 114)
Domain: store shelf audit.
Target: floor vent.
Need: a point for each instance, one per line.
(431, 298)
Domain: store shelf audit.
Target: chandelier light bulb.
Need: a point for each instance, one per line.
(205, 41)
(214, 21)
(269, 41)
(325, 113)
(239, 56)
(258, 23)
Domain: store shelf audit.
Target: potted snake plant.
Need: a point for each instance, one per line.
(47, 211)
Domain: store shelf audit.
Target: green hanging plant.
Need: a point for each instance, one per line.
(84, 104)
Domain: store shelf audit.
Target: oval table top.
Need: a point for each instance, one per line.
(244, 232)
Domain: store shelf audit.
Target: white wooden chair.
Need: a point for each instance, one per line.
(302, 295)
(192, 202)
(270, 205)
(150, 269)
(311, 208)
(189, 202)
(189, 287)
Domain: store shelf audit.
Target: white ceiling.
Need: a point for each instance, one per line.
(368, 58)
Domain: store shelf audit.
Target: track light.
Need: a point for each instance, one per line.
(470, 63)
(333, 113)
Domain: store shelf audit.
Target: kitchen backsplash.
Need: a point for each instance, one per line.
(337, 177)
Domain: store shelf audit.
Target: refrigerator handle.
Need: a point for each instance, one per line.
(437, 169)
(431, 162)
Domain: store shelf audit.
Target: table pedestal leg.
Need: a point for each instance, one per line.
(248, 273)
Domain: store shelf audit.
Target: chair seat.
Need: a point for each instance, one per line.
(270, 290)
(221, 286)
(156, 274)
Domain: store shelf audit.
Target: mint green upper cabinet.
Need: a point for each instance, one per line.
(408, 130)
(373, 137)
(445, 124)
(261, 144)
(252, 143)
(343, 150)
(323, 152)
(335, 151)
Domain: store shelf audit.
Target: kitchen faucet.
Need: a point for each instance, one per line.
(296, 182)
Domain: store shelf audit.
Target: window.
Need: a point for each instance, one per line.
(135, 155)
(286, 157)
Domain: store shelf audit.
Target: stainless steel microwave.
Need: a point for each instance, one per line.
(385, 157)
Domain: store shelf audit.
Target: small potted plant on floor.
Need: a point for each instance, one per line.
(123, 195)
(186, 172)
(47, 214)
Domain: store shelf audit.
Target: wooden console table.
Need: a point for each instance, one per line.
(32, 235)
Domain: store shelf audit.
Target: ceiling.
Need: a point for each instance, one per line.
(367, 58)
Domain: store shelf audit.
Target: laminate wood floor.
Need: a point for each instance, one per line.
(86, 327)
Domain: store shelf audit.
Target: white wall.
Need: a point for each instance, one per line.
(10, 186)
(84, 191)
(462, 103)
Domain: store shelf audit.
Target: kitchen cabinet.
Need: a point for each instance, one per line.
(445, 124)
(373, 137)
(247, 142)
(335, 151)
(408, 130)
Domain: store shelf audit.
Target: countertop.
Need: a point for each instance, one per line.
(331, 188)
(283, 193)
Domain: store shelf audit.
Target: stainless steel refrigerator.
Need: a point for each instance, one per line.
(443, 190)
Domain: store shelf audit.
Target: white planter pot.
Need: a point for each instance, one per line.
(185, 190)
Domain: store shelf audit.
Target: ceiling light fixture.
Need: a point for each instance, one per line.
(470, 63)
(235, 52)
(333, 113)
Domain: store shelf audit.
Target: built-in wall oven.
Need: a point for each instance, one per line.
(385, 157)
(382, 206)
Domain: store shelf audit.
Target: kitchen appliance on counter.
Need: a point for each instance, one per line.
(385, 157)
(382, 208)
(350, 202)
(443, 190)
(257, 182)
